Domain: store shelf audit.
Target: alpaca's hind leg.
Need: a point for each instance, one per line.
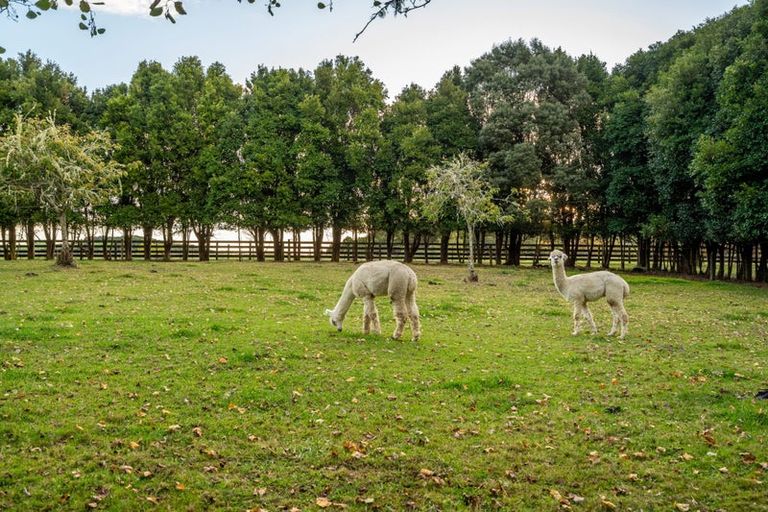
(624, 321)
(615, 316)
(413, 315)
(588, 315)
(375, 323)
(614, 322)
(398, 306)
(368, 309)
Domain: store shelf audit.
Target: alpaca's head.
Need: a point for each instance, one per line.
(335, 321)
(555, 257)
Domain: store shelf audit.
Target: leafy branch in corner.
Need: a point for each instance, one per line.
(169, 9)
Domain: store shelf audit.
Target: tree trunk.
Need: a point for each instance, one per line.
(370, 245)
(472, 275)
(90, 235)
(744, 269)
(12, 241)
(407, 257)
(105, 245)
(390, 242)
(480, 246)
(590, 250)
(259, 235)
(184, 242)
(203, 233)
(167, 238)
(621, 246)
(49, 231)
(688, 258)
(30, 240)
(499, 247)
(336, 243)
(514, 248)
(762, 267)
(416, 245)
(606, 254)
(128, 243)
(444, 240)
(643, 252)
(64, 259)
(147, 242)
(296, 245)
(354, 246)
(277, 243)
(317, 242)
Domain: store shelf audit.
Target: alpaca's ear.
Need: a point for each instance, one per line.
(565, 257)
(328, 312)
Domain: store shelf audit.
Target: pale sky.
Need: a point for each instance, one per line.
(419, 48)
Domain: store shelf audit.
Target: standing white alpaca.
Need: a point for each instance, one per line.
(377, 278)
(584, 288)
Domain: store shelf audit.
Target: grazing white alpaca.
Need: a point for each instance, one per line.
(377, 278)
(584, 288)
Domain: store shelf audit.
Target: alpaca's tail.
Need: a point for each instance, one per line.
(626, 290)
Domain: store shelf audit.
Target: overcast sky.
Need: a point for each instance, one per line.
(399, 50)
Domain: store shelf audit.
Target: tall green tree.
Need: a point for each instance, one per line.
(731, 168)
(682, 107)
(138, 118)
(273, 123)
(455, 131)
(352, 99)
(315, 171)
(412, 150)
(527, 99)
(213, 154)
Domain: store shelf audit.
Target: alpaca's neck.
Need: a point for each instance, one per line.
(561, 281)
(345, 301)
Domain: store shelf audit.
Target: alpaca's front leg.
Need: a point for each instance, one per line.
(576, 319)
(399, 309)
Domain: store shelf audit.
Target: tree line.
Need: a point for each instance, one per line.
(669, 149)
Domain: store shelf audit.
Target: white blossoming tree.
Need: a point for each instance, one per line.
(63, 171)
(460, 185)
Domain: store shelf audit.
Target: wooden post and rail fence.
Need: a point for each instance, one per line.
(534, 251)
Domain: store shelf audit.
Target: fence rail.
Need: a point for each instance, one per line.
(114, 249)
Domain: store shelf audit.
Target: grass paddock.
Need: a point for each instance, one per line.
(192, 386)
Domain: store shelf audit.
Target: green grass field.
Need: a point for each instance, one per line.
(188, 386)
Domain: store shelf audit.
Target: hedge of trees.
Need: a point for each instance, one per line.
(669, 149)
